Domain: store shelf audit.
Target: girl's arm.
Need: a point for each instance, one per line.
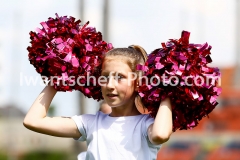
(37, 120)
(160, 131)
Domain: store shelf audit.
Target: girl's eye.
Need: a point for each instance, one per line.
(119, 77)
(116, 77)
(107, 76)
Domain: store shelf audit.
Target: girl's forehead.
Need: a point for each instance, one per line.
(115, 65)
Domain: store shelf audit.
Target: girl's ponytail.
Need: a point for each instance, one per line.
(138, 101)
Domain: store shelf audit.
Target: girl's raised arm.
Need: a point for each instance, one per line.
(160, 131)
(37, 120)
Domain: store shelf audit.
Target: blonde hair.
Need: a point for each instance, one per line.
(133, 55)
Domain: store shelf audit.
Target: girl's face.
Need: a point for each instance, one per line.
(119, 89)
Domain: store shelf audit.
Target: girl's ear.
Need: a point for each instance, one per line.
(136, 86)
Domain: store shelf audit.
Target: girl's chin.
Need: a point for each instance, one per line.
(112, 105)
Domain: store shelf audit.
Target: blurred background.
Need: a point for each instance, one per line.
(146, 23)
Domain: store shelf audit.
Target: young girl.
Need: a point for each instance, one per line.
(125, 133)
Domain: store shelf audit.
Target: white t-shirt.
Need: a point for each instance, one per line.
(116, 138)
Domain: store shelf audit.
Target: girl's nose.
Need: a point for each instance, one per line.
(110, 82)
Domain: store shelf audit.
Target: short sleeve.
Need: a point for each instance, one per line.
(83, 122)
(147, 121)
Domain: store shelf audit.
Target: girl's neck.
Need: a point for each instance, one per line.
(122, 111)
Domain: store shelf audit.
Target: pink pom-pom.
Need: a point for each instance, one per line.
(181, 73)
(66, 53)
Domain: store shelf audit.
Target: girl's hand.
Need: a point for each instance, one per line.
(160, 131)
(37, 120)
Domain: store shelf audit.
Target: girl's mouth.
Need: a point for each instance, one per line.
(111, 95)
